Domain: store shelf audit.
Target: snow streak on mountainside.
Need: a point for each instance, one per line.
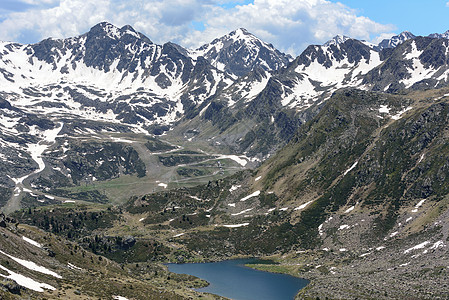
(444, 35)
(394, 41)
(118, 74)
(420, 63)
(321, 70)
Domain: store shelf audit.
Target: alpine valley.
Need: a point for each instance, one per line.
(119, 155)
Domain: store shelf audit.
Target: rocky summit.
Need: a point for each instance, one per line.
(119, 155)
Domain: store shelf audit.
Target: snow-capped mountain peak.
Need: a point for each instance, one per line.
(444, 35)
(104, 69)
(395, 40)
(336, 40)
(239, 52)
(111, 31)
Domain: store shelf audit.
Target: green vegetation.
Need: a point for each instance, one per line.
(174, 160)
(155, 145)
(5, 194)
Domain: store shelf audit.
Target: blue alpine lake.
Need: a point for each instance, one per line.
(233, 280)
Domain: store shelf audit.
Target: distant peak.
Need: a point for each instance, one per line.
(113, 32)
(337, 40)
(240, 33)
(104, 25)
(128, 28)
(406, 34)
(242, 30)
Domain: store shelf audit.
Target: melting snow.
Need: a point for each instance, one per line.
(255, 194)
(242, 212)
(349, 209)
(26, 281)
(320, 229)
(231, 204)
(258, 178)
(420, 246)
(234, 188)
(73, 267)
(421, 158)
(437, 245)
(351, 168)
(31, 265)
(164, 185)
(303, 205)
(342, 227)
(241, 160)
(236, 226)
(384, 109)
(119, 298)
(141, 219)
(34, 243)
(178, 235)
(399, 114)
(394, 234)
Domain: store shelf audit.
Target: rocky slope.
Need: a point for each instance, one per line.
(39, 265)
(362, 180)
(240, 52)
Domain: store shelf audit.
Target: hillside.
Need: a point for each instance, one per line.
(115, 149)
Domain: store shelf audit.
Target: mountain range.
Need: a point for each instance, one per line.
(144, 153)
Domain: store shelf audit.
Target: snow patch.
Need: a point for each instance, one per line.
(234, 188)
(73, 267)
(349, 209)
(255, 194)
(119, 298)
(351, 168)
(394, 234)
(420, 246)
(236, 225)
(31, 265)
(164, 185)
(241, 160)
(242, 212)
(343, 227)
(30, 241)
(439, 244)
(303, 205)
(399, 114)
(26, 281)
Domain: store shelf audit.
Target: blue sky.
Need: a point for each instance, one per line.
(290, 25)
(421, 17)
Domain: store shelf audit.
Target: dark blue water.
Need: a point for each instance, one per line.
(233, 280)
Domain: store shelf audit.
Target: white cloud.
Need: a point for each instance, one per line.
(382, 37)
(447, 4)
(289, 25)
(39, 2)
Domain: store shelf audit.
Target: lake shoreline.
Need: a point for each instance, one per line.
(241, 279)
